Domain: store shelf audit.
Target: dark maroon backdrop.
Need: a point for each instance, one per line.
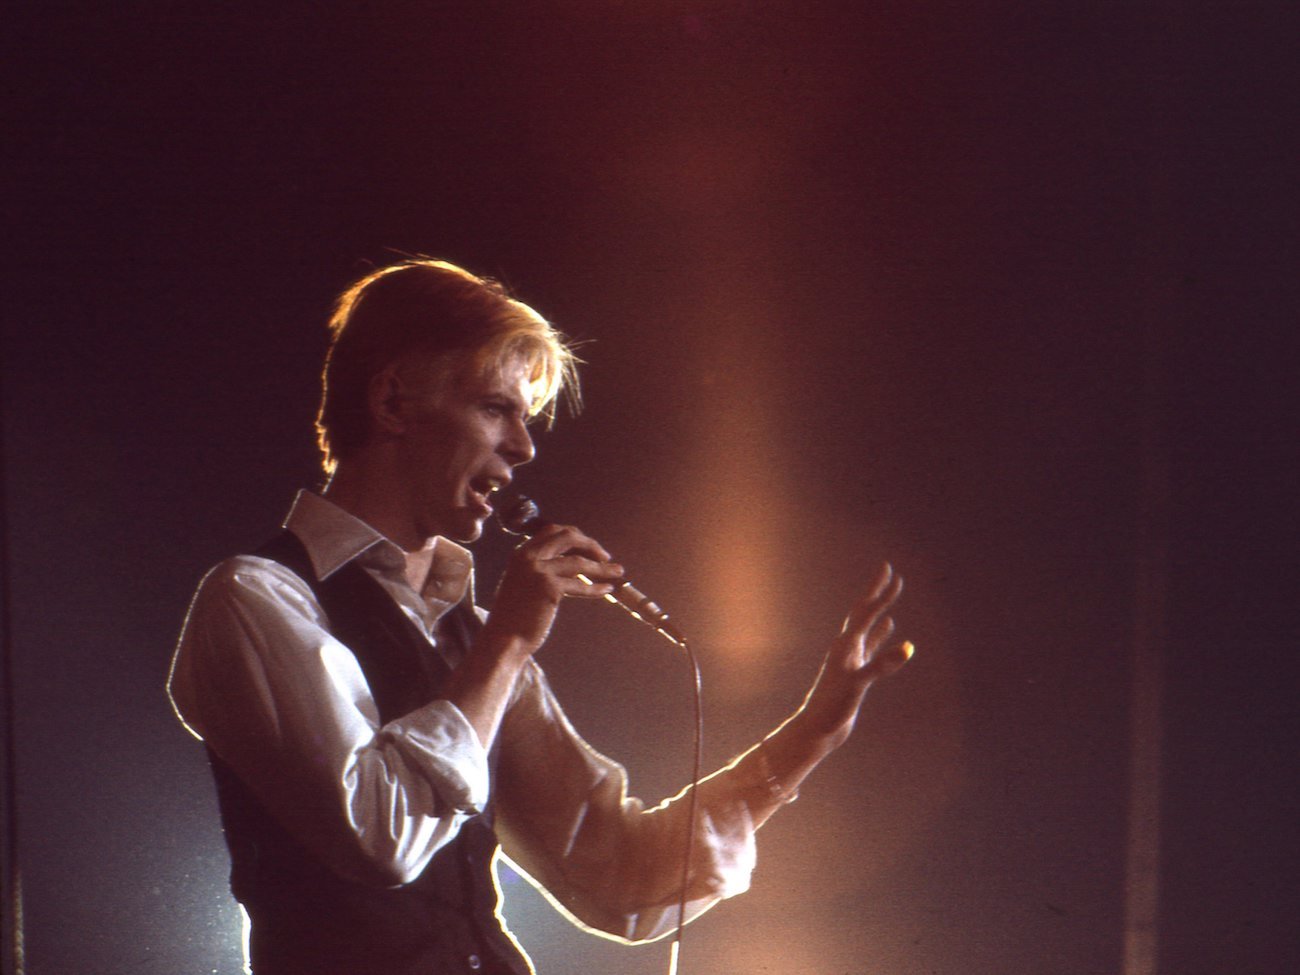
(930, 281)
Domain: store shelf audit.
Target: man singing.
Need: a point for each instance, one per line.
(376, 738)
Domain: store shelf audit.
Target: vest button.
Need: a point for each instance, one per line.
(474, 962)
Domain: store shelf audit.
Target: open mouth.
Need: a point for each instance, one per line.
(484, 489)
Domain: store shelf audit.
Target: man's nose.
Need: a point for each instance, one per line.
(518, 447)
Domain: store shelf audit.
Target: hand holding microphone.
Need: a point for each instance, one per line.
(523, 517)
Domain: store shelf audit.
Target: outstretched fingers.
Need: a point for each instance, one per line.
(872, 605)
(860, 654)
(868, 627)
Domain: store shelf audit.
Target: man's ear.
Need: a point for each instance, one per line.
(386, 401)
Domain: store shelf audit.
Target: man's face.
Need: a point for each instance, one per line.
(462, 445)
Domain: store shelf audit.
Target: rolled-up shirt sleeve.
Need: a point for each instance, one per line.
(258, 677)
(565, 819)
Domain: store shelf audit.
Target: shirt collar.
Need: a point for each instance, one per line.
(333, 538)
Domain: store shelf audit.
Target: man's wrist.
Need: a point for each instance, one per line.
(811, 741)
(770, 785)
(501, 648)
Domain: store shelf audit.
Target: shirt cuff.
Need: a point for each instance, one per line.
(445, 745)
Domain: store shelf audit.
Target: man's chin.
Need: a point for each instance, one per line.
(466, 532)
(463, 523)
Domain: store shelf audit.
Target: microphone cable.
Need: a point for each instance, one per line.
(523, 517)
(693, 802)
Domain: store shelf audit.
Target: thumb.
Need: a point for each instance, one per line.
(890, 660)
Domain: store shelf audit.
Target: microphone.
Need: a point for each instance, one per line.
(523, 517)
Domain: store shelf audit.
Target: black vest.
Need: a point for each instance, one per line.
(308, 920)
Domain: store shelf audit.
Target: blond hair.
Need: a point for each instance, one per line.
(439, 317)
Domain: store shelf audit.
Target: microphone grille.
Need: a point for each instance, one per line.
(520, 516)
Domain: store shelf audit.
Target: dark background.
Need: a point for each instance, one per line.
(1002, 291)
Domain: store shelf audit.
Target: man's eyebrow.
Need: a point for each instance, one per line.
(517, 403)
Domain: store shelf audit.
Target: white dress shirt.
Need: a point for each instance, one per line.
(261, 680)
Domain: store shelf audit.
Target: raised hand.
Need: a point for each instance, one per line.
(858, 656)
